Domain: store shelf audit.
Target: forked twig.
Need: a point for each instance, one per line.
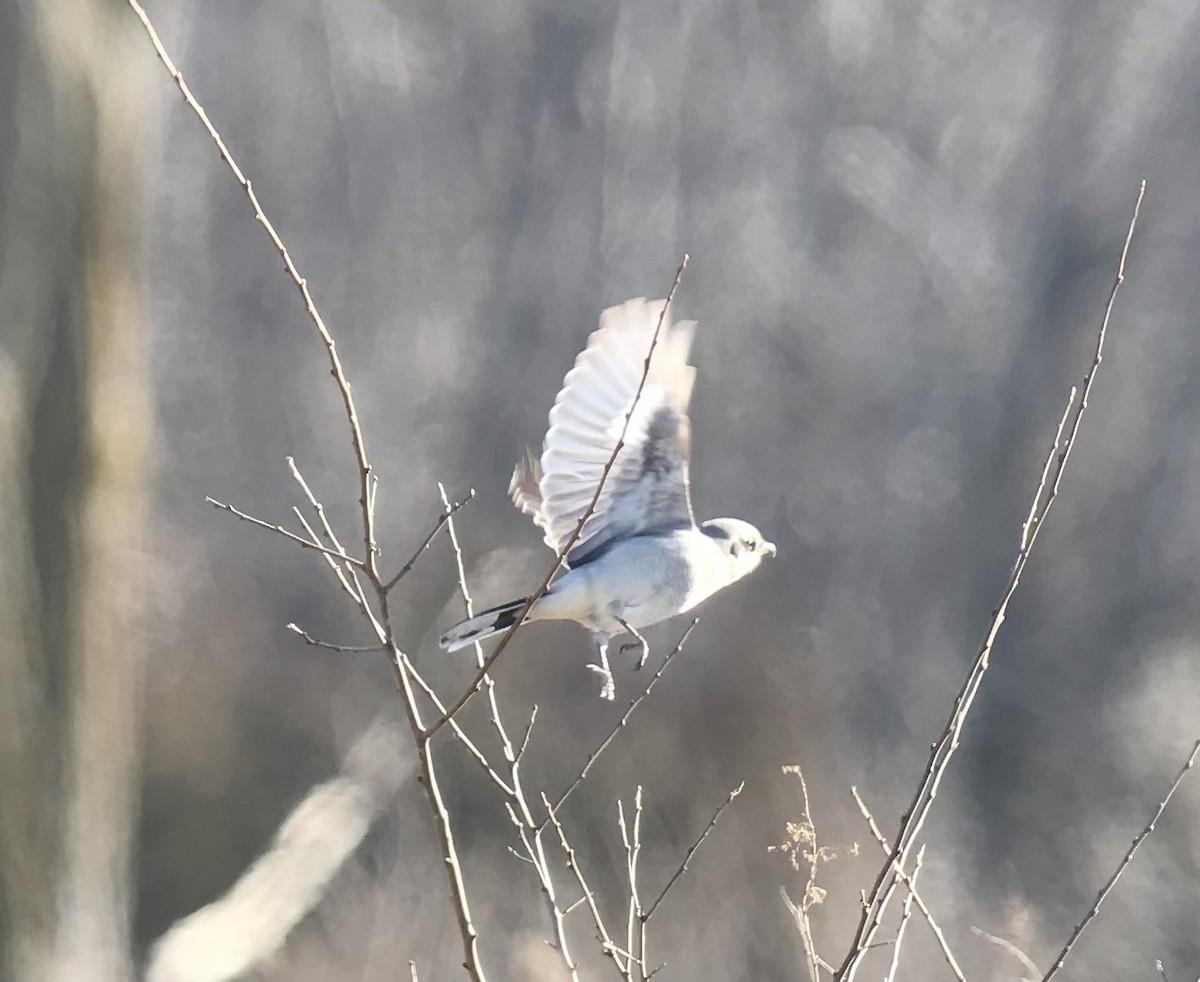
(621, 723)
(944, 748)
(1112, 880)
(912, 889)
(450, 510)
(905, 913)
(574, 536)
(622, 959)
(631, 838)
(347, 576)
(286, 533)
(683, 867)
(328, 646)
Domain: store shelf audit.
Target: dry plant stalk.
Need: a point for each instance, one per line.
(884, 888)
(803, 851)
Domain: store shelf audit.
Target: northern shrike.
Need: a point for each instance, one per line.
(641, 557)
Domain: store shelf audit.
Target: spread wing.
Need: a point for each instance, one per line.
(647, 488)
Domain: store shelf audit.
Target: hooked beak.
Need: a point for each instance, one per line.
(769, 548)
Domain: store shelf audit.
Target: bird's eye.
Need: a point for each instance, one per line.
(750, 545)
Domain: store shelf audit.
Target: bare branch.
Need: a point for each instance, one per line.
(946, 745)
(450, 511)
(467, 743)
(345, 648)
(905, 913)
(343, 574)
(912, 889)
(348, 577)
(1112, 880)
(528, 731)
(625, 967)
(574, 537)
(631, 838)
(620, 725)
(279, 529)
(815, 962)
(692, 851)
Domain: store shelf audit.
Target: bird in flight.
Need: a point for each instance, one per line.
(640, 557)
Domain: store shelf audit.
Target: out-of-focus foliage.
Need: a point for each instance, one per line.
(904, 219)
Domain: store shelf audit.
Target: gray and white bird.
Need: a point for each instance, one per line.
(640, 557)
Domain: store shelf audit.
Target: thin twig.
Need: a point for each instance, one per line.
(905, 913)
(280, 530)
(692, 851)
(624, 967)
(469, 607)
(912, 889)
(574, 536)
(631, 838)
(1112, 880)
(345, 648)
(1012, 949)
(815, 962)
(342, 573)
(944, 748)
(348, 576)
(459, 733)
(450, 511)
(528, 732)
(621, 723)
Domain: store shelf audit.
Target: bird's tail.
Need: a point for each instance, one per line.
(483, 626)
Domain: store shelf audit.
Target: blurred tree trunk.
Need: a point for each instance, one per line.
(75, 423)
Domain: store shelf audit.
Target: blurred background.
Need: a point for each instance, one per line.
(904, 220)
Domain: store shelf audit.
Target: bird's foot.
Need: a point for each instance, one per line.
(638, 642)
(608, 689)
(637, 646)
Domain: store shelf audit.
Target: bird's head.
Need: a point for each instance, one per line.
(742, 543)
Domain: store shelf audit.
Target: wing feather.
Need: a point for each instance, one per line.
(647, 488)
